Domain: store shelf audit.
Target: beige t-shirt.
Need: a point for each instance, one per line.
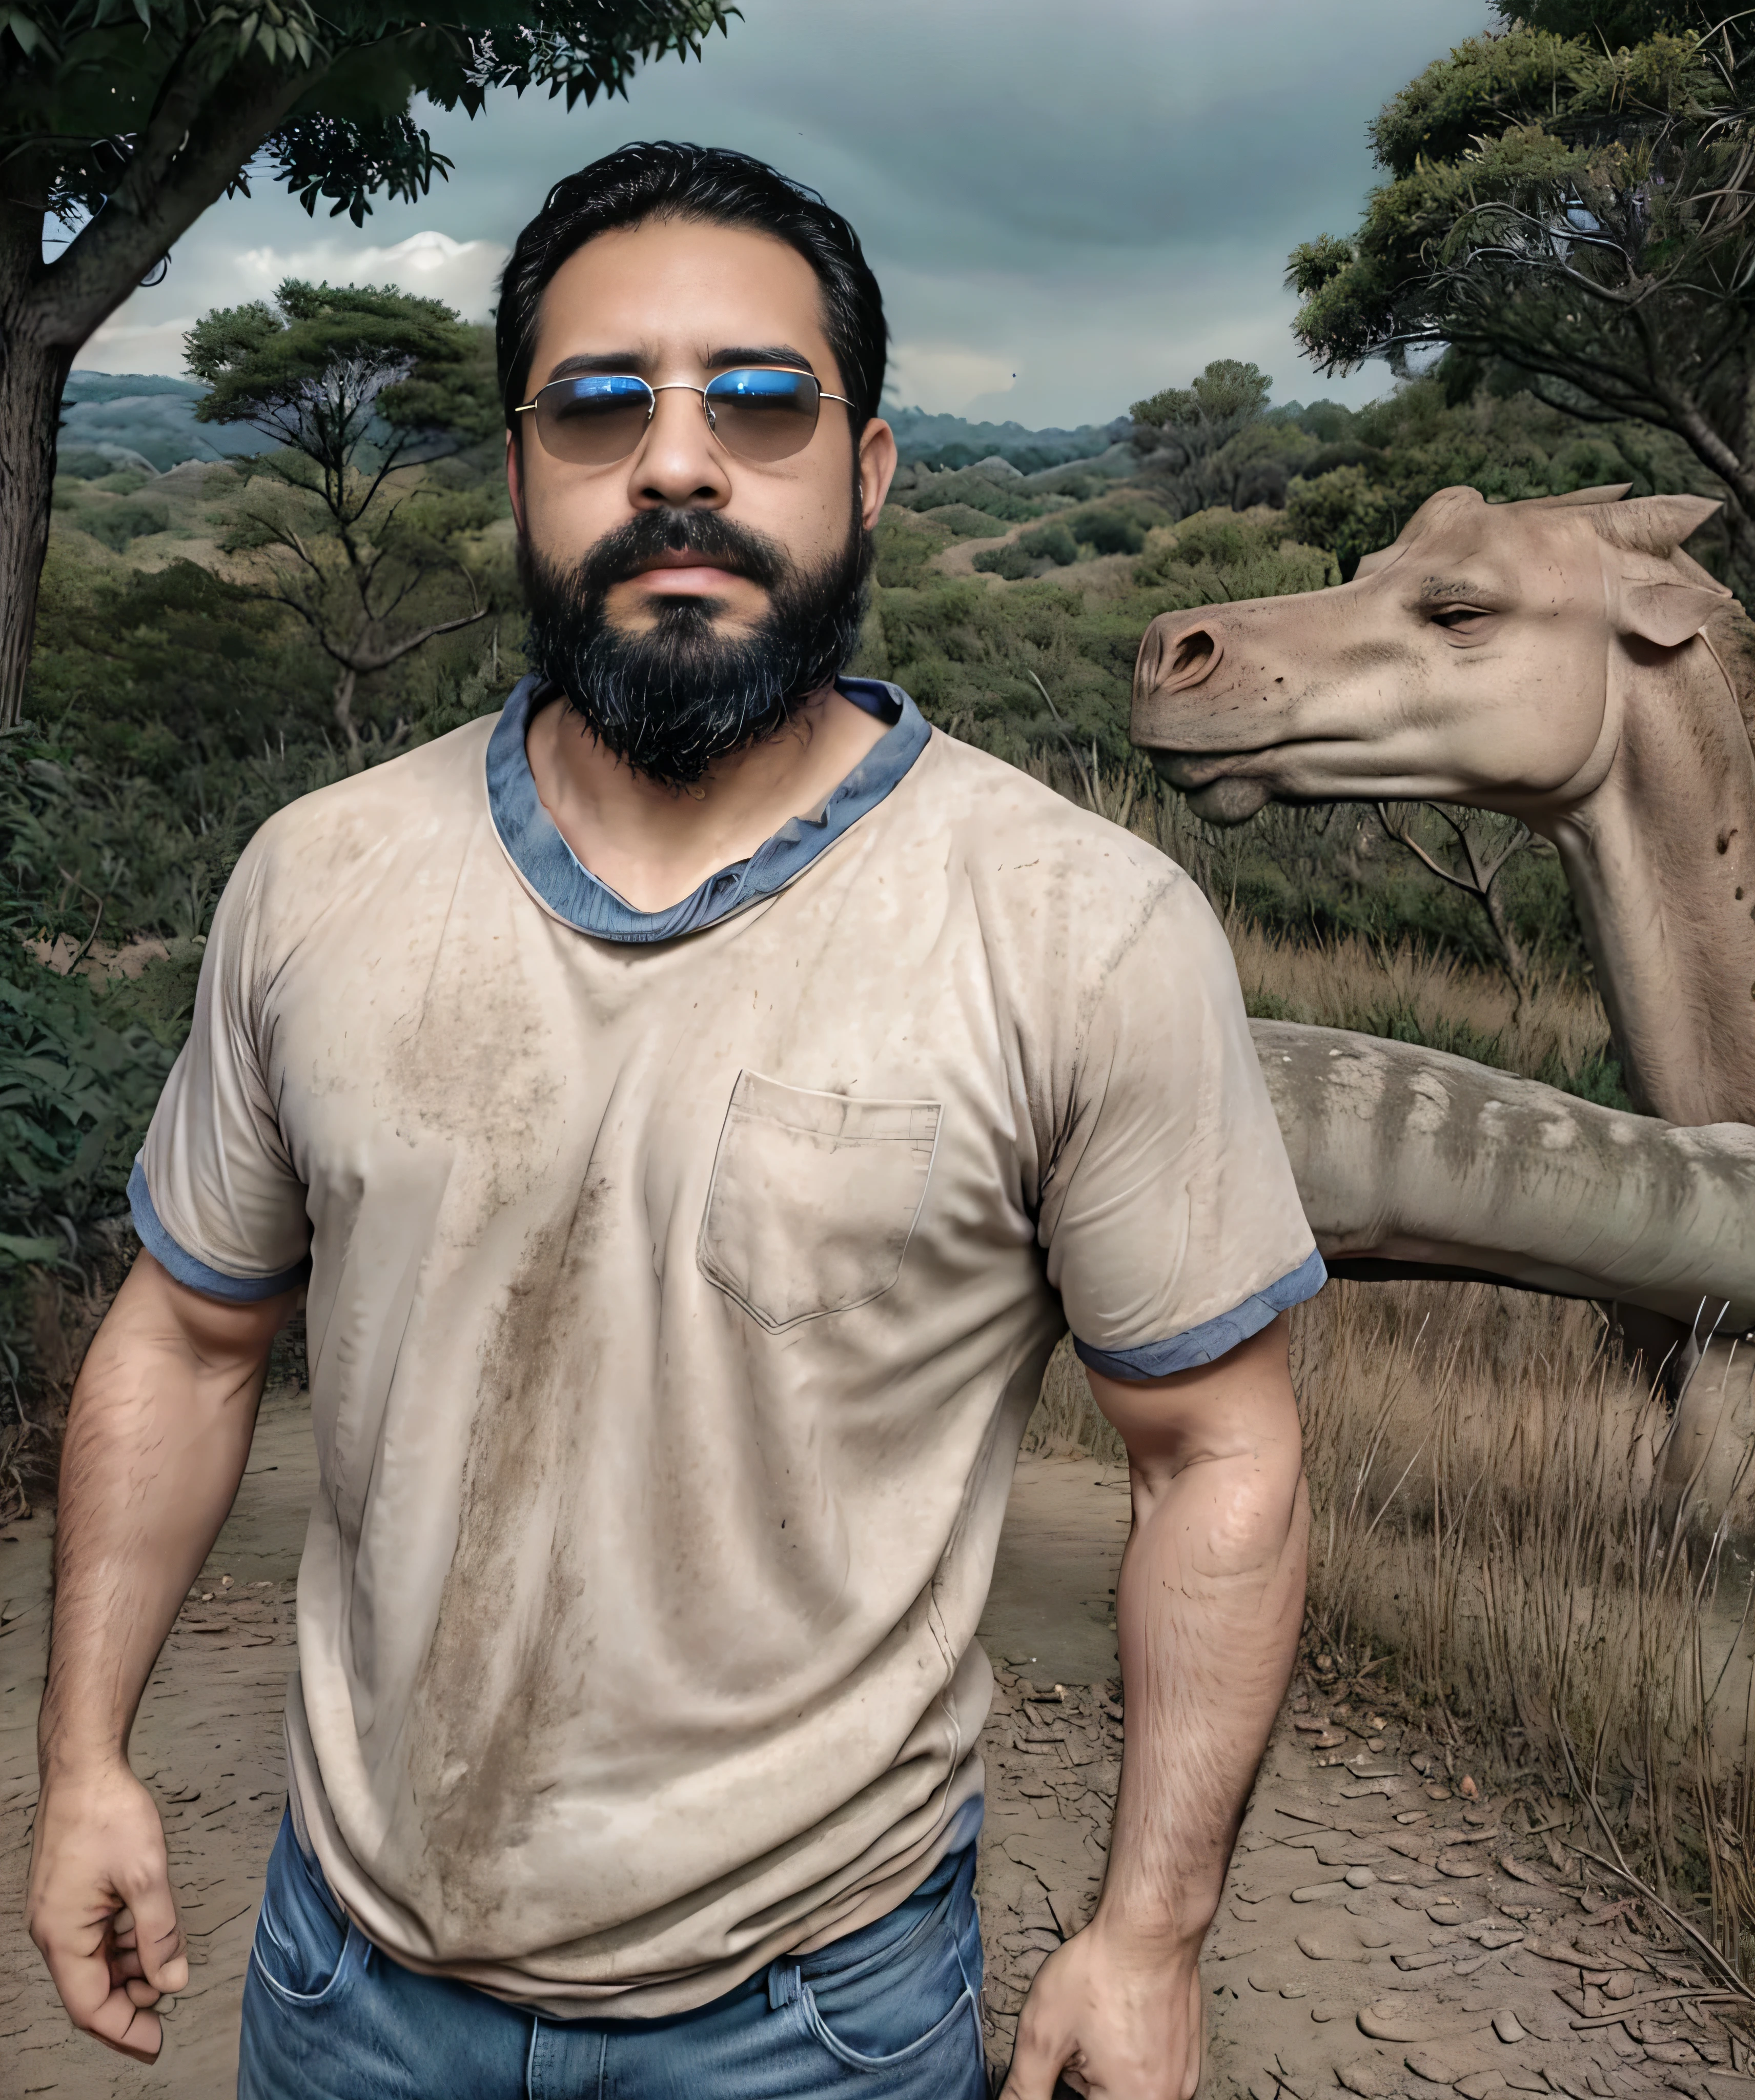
(675, 1307)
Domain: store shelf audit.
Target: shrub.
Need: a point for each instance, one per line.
(979, 492)
(1010, 561)
(82, 463)
(965, 523)
(1051, 543)
(1110, 531)
(1221, 554)
(117, 525)
(904, 549)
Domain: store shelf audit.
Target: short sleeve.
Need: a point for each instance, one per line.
(1170, 1219)
(214, 1193)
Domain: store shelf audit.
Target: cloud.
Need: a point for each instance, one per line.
(947, 375)
(1098, 199)
(462, 273)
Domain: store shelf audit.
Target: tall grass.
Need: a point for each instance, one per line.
(1487, 1545)
(1480, 1467)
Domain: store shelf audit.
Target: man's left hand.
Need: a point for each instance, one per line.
(1115, 2022)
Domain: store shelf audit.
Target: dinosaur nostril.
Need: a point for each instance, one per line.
(1192, 654)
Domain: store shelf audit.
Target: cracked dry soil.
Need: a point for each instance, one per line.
(1380, 1934)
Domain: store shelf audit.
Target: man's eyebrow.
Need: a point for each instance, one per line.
(608, 360)
(1435, 589)
(773, 353)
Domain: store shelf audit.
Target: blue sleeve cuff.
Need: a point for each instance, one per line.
(176, 1261)
(1213, 1338)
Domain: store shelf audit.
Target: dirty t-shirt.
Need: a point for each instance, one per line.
(676, 1301)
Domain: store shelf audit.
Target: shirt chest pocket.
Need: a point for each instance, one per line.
(813, 1200)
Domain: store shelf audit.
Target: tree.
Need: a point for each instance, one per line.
(121, 121)
(1572, 198)
(357, 384)
(1483, 844)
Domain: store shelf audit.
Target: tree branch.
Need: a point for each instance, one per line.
(203, 131)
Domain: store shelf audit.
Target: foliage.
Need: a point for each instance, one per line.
(349, 380)
(976, 489)
(1353, 493)
(120, 124)
(322, 96)
(318, 368)
(1227, 395)
(1579, 211)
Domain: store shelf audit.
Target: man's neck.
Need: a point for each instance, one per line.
(653, 846)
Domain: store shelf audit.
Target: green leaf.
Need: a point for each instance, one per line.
(21, 1252)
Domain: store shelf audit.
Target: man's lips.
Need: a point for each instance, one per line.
(681, 572)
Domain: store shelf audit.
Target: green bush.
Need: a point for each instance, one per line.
(1051, 543)
(81, 463)
(903, 549)
(116, 525)
(963, 523)
(1009, 561)
(1110, 531)
(977, 492)
(1217, 555)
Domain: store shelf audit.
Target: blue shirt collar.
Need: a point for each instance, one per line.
(572, 893)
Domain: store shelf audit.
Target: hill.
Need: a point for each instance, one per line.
(143, 419)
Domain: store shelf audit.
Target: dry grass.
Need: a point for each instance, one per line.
(1486, 1545)
(1353, 983)
(1481, 1470)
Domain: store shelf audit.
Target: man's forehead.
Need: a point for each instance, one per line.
(670, 284)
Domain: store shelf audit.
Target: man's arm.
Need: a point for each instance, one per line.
(156, 1440)
(1208, 1609)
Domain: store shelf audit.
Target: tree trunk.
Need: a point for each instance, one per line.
(344, 706)
(32, 375)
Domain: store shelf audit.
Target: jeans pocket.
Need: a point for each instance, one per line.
(946, 2028)
(901, 1999)
(304, 1950)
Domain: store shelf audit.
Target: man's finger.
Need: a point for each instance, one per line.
(157, 1936)
(80, 1974)
(130, 2030)
(1036, 2070)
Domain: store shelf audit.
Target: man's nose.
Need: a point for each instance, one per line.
(679, 465)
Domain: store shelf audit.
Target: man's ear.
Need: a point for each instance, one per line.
(877, 468)
(514, 480)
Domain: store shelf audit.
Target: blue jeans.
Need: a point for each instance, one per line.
(891, 2012)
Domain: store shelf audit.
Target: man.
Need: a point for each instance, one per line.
(693, 1103)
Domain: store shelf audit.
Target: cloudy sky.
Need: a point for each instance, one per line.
(1068, 206)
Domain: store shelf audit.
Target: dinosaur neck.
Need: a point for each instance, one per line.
(1662, 862)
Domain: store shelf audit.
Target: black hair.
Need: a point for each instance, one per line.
(661, 180)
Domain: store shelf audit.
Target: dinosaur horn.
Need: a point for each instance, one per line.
(1654, 524)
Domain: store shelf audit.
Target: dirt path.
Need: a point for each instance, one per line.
(1381, 1934)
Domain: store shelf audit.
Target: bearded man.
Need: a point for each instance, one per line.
(693, 1104)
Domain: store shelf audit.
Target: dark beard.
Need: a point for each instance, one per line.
(672, 700)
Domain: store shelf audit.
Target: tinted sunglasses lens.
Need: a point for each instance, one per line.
(592, 421)
(763, 415)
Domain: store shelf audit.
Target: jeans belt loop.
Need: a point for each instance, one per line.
(784, 1983)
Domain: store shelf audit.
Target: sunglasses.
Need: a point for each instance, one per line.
(758, 414)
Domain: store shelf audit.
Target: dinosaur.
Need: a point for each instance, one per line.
(1410, 1161)
(1560, 659)
(1564, 661)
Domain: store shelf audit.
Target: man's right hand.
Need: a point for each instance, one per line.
(101, 1910)
(157, 1437)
